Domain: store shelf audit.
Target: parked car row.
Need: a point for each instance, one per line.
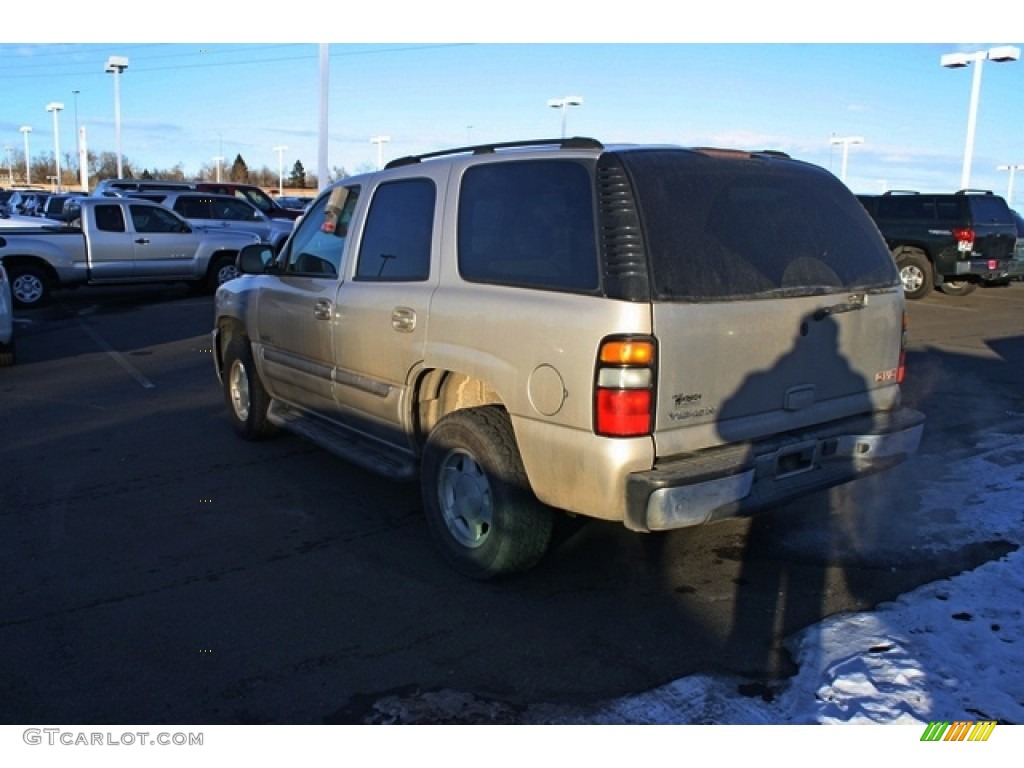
(248, 192)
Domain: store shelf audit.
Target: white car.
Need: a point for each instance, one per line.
(6, 320)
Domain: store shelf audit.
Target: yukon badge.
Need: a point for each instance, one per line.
(687, 407)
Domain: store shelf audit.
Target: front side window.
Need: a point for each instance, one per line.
(318, 245)
(233, 210)
(399, 228)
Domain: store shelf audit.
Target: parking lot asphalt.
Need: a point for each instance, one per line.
(157, 569)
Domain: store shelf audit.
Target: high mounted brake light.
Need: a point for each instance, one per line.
(624, 387)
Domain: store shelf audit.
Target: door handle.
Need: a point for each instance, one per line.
(322, 309)
(143, 241)
(403, 319)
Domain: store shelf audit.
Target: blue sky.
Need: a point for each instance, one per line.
(441, 84)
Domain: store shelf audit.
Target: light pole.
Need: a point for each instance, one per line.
(1009, 189)
(958, 60)
(115, 66)
(78, 141)
(10, 171)
(379, 141)
(846, 141)
(564, 104)
(26, 130)
(218, 160)
(280, 168)
(56, 107)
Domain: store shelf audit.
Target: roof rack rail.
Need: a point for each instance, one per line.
(575, 142)
(974, 192)
(901, 192)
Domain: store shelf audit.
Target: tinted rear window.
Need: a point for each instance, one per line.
(719, 228)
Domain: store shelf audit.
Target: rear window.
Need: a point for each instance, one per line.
(747, 227)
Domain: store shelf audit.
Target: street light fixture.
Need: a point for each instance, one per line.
(280, 168)
(846, 141)
(115, 66)
(564, 104)
(379, 141)
(1012, 169)
(26, 130)
(56, 107)
(958, 60)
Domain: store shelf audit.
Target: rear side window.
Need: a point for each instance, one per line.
(914, 207)
(398, 231)
(528, 223)
(719, 228)
(989, 209)
(109, 218)
(193, 207)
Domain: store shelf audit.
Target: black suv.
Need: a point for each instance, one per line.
(949, 241)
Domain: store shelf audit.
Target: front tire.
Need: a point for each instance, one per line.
(915, 272)
(244, 394)
(479, 505)
(30, 287)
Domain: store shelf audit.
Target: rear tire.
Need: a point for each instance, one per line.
(222, 269)
(916, 272)
(479, 505)
(958, 287)
(244, 394)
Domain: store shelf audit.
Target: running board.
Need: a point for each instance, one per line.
(349, 444)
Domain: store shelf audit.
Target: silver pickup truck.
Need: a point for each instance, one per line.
(116, 241)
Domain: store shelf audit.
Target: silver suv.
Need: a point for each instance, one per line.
(652, 335)
(209, 211)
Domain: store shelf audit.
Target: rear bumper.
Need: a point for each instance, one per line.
(741, 480)
(984, 269)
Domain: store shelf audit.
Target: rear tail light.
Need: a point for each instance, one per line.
(964, 239)
(624, 387)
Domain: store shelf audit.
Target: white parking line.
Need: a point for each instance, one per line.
(118, 357)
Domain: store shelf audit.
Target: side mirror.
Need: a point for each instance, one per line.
(254, 259)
